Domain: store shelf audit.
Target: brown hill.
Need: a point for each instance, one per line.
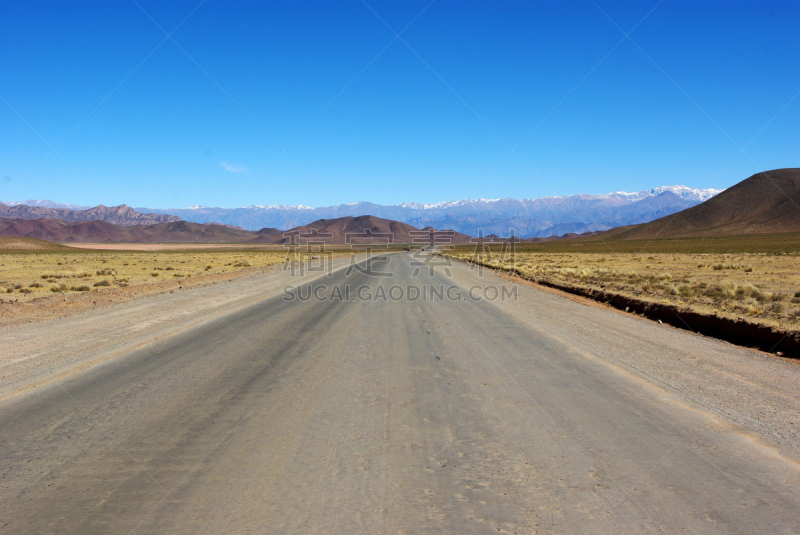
(765, 203)
(568, 236)
(122, 215)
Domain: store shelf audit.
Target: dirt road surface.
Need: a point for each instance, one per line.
(462, 414)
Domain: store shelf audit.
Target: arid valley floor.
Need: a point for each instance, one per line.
(227, 407)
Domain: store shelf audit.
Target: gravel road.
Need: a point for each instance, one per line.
(233, 409)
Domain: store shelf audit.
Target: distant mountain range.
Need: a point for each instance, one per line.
(362, 230)
(767, 202)
(530, 218)
(61, 231)
(547, 216)
(119, 215)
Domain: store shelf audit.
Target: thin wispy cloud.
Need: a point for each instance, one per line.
(234, 168)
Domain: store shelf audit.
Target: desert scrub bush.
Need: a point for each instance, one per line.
(686, 291)
(59, 288)
(721, 291)
(762, 297)
(36, 285)
(66, 275)
(241, 263)
(748, 269)
(25, 290)
(753, 310)
(103, 282)
(82, 288)
(169, 268)
(106, 271)
(209, 267)
(154, 273)
(747, 290)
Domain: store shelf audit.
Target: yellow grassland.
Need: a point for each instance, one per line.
(26, 276)
(759, 287)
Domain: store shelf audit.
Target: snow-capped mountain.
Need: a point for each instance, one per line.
(546, 216)
(684, 192)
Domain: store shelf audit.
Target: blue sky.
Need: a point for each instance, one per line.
(320, 103)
